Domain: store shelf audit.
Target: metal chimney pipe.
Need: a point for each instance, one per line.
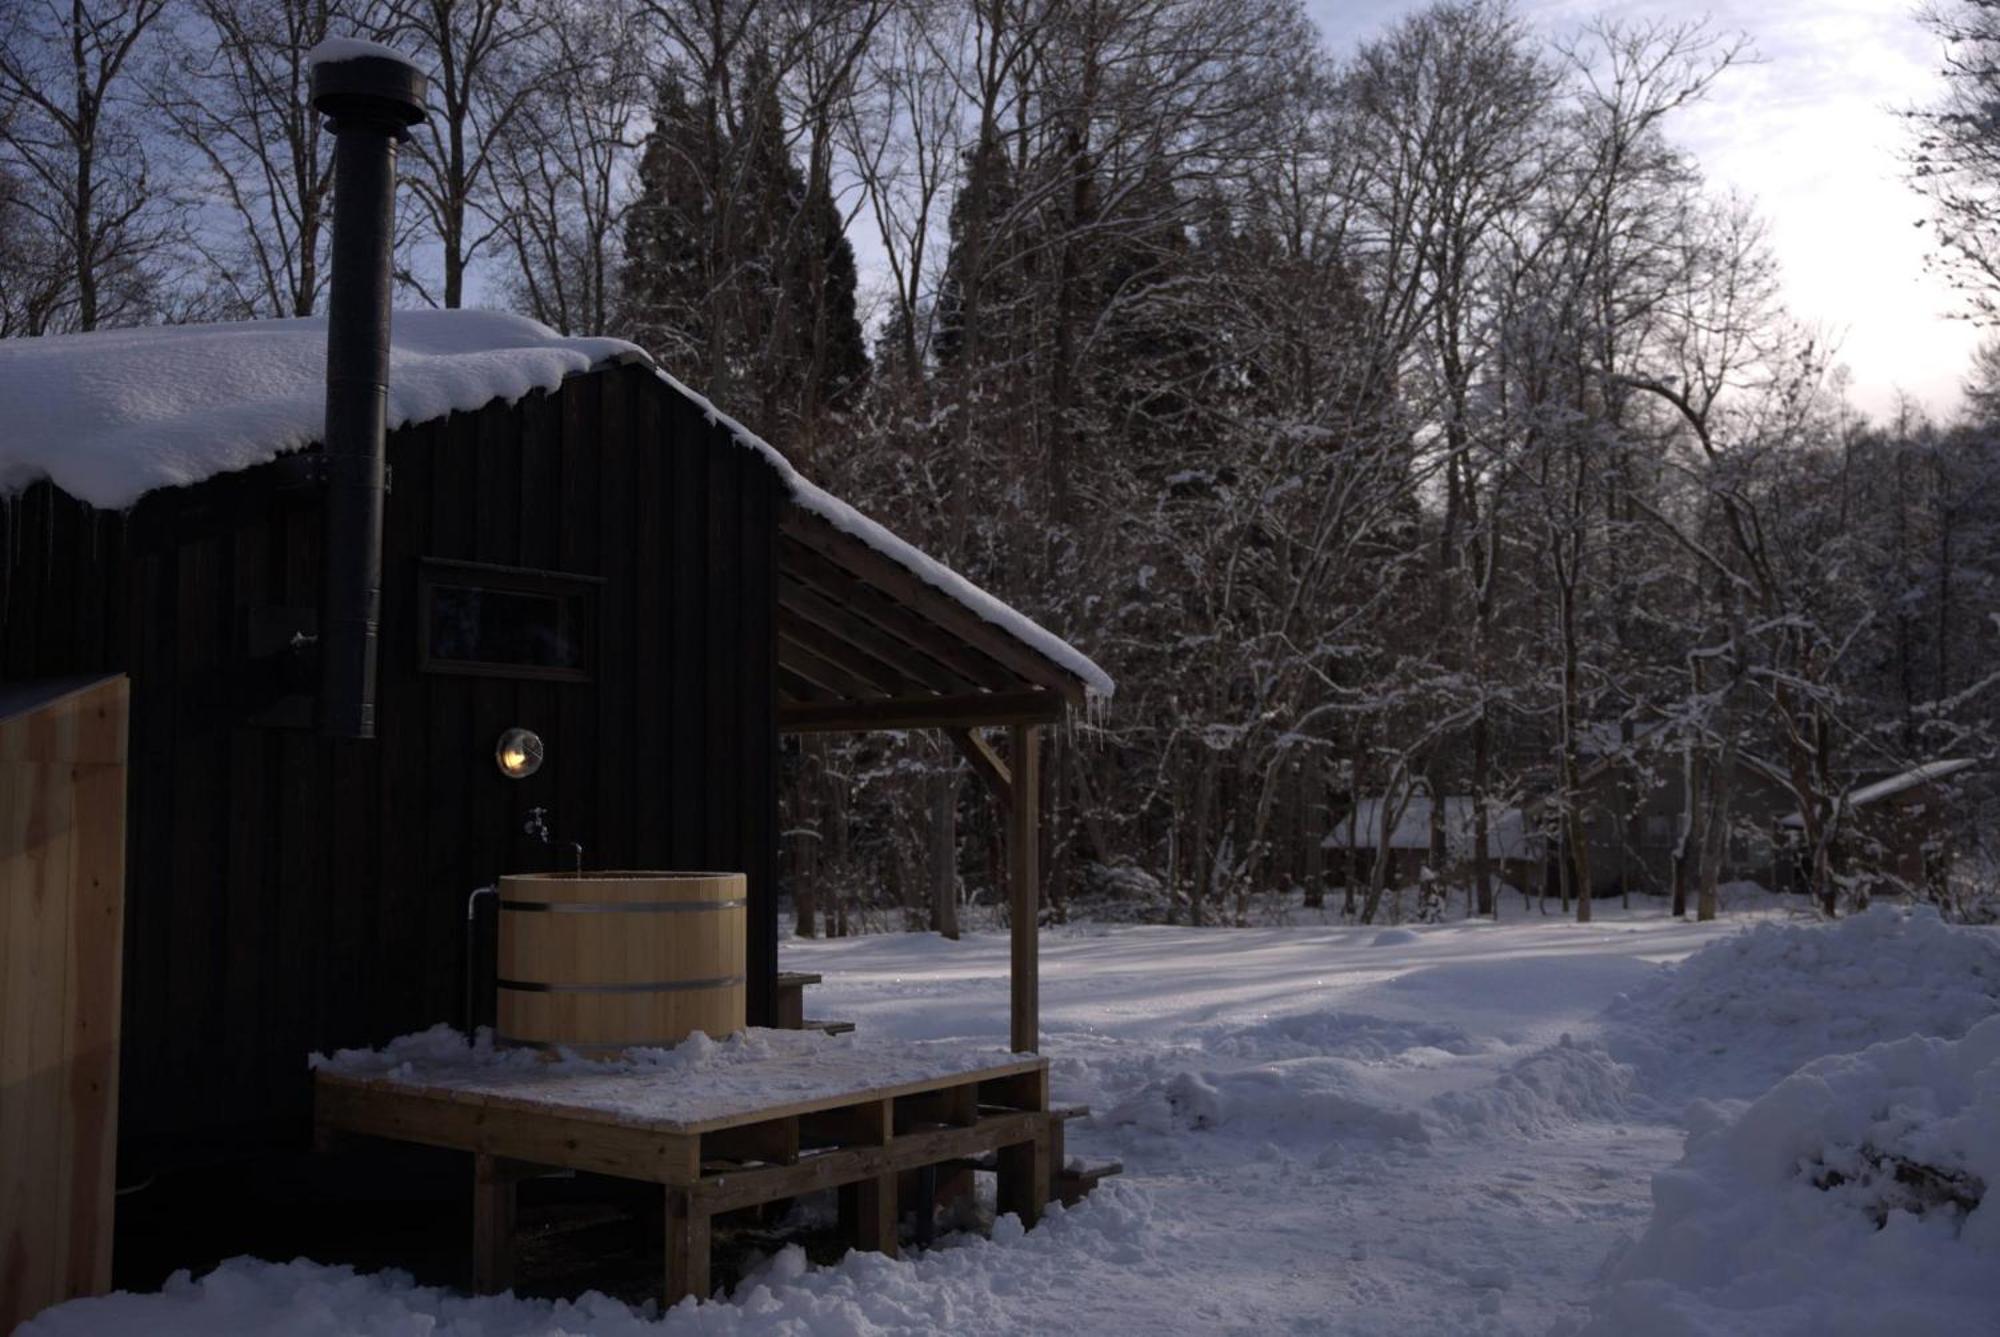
(370, 101)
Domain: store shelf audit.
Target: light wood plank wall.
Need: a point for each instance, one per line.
(62, 884)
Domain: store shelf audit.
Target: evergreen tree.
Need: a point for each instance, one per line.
(737, 276)
(972, 288)
(665, 282)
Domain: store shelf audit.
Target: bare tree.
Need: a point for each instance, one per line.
(488, 60)
(565, 168)
(232, 87)
(72, 143)
(1954, 158)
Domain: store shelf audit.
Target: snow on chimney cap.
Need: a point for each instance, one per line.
(363, 86)
(335, 49)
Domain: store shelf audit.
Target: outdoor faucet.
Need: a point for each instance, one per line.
(537, 826)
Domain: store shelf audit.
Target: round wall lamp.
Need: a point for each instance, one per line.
(518, 753)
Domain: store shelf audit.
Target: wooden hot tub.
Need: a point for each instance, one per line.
(614, 960)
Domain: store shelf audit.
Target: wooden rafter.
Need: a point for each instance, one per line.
(806, 604)
(791, 687)
(938, 607)
(833, 582)
(807, 663)
(887, 677)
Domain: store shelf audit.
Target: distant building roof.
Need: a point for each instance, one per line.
(1507, 836)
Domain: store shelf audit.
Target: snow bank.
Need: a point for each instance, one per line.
(1355, 1035)
(1304, 1100)
(953, 1288)
(1856, 1196)
(113, 415)
(1542, 1094)
(1742, 1013)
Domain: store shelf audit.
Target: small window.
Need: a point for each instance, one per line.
(506, 622)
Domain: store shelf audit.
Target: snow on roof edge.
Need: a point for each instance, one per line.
(1097, 684)
(1889, 786)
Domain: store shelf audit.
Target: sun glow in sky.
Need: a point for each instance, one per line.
(1811, 135)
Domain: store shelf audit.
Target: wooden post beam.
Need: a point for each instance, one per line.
(1024, 821)
(688, 1238)
(986, 762)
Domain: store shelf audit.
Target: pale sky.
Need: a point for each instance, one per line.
(1810, 135)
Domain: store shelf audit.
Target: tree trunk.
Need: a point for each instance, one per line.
(1312, 829)
(1715, 838)
(944, 851)
(1203, 861)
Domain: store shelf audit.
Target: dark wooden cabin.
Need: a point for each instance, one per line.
(289, 893)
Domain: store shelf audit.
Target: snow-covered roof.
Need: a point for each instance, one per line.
(111, 416)
(1604, 738)
(1927, 773)
(1506, 835)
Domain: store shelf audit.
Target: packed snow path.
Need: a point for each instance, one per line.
(1341, 1130)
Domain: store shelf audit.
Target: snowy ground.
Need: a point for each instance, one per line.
(1450, 1129)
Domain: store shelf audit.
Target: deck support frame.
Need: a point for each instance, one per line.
(860, 1147)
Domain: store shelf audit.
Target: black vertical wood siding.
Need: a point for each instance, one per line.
(288, 893)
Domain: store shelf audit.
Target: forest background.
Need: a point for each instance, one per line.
(1402, 421)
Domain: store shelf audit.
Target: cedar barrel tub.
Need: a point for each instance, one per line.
(608, 961)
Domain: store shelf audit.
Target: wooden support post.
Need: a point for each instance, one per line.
(1025, 1176)
(687, 1247)
(924, 1199)
(1024, 820)
(493, 1198)
(791, 1007)
(868, 1213)
(955, 1185)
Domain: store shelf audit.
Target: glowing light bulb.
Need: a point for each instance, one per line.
(518, 754)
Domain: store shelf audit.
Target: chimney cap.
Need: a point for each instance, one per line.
(367, 84)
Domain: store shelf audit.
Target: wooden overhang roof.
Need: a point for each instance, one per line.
(864, 643)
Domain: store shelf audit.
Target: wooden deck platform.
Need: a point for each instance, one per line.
(716, 1146)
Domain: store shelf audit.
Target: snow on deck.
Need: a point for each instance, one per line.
(113, 415)
(695, 1085)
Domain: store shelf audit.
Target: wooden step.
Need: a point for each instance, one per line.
(791, 998)
(830, 1027)
(1074, 1183)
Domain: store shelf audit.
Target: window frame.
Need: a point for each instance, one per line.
(563, 586)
